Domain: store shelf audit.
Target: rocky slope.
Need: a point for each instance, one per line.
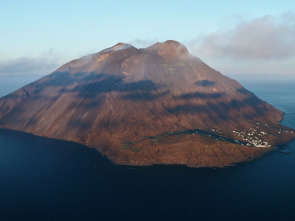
(156, 105)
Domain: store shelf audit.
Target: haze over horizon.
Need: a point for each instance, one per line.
(234, 38)
(147, 110)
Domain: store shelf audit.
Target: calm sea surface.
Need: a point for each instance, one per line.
(44, 179)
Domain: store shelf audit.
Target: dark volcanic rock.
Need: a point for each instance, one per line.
(126, 102)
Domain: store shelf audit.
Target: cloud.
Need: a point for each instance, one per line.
(263, 38)
(27, 65)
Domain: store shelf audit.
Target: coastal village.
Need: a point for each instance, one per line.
(254, 138)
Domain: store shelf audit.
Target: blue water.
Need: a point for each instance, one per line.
(9, 84)
(44, 179)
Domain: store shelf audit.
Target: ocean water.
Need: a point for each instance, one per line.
(45, 179)
(9, 84)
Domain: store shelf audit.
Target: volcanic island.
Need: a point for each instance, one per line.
(154, 105)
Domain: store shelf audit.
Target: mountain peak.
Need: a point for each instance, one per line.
(170, 49)
(173, 43)
(121, 46)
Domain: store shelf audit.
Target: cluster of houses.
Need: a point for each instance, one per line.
(216, 131)
(285, 131)
(253, 138)
(279, 129)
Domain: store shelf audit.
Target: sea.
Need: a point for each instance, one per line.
(45, 179)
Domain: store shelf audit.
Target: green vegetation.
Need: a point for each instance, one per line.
(125, 145)
(174, 136)
(171, 69)
(180, 64)
(155, 140)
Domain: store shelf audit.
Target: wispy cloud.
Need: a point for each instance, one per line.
(42, 65)
(22, 66)
(263, 38)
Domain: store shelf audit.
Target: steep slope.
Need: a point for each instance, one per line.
(158, 105)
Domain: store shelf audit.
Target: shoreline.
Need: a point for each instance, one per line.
(224, 166)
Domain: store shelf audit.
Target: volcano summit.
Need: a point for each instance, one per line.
(155, 105)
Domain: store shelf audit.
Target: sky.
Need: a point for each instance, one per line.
(234, 37)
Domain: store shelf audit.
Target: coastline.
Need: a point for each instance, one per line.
(259, 155)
